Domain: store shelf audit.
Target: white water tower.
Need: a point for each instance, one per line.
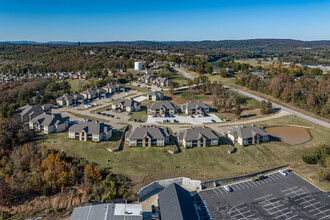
(138, 65)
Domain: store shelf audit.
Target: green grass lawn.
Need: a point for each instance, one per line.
(140, 89)
(200, 163)
(178, 78)
(77, 84)
(87, 117)
(140, 115)
(187, 95)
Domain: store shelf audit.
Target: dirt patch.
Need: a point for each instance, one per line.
(291, 135)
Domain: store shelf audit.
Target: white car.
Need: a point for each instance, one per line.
(228, 188)
(283, 172)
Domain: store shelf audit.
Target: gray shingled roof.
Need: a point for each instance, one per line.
(31, 110)
(49, 119)
(152, 132)
(92, 91)
(176, 203)
(113, 86)
(126, 102)
(191, 134)
(160, 80)
(69, 97)
(146, 77)
(194, 105)
(158, 105)
(103, 212)
(153, 93)
(90, 127)
(247, 132)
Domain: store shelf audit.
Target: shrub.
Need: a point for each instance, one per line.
(309, 159)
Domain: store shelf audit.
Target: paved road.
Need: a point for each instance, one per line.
(309, 118)
(187, 75)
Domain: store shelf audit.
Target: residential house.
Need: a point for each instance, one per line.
(29, 112)
(147, 136)
(258, 74)
(93, 131)
(197, 137)
(49, 123)
(146, 79)
(69, 99)
(248, 135)
(93, 93)
(113, 87)
(127, 105)
(230, 71)
(191, 108)
(155, 95)
(160, 82)
(47, 107)
(108, 211)
(162, 108)
(149, 72)
(176, 203)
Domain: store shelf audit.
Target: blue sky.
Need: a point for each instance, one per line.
(125, 20)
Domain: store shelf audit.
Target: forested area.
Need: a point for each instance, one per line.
(310, 91)
(28, 170)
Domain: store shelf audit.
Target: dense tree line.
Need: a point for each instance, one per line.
(320, 155)
(33, 91)
(308, 92)
(28, 170)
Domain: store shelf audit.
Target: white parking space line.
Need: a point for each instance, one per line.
(301, 194)
(253, 182)
(249, 183)
(328, 216)
(306, 201)
(236, 186)
(219, 190)
(245, 184)
(241, 186)
(312, 204)
(271, 177)
(290, 189)
(302, 197)
(274, 176)
(215, 191)
(320, 212)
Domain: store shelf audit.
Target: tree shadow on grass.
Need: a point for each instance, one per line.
(248, 116)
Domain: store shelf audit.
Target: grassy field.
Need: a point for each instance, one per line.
(144, 165)
(254, 62)
(178, 78)
(87, 117)
(187, 95)
(140, 89)
(140, 115)
(75, 84)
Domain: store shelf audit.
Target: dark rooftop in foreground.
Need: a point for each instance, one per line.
(176, 203)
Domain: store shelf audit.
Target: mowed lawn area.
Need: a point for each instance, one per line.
(144, 165)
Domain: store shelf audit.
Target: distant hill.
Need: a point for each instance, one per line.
(247, 45)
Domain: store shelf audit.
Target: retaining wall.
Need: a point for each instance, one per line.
(121, 142)
(233, 179)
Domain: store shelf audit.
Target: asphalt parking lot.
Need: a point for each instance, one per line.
(275, 197)
(211, 118)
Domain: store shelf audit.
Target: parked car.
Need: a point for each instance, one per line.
(107, 109)
(283, 172)
(228, 188)
(192, 116)
(259, 177)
